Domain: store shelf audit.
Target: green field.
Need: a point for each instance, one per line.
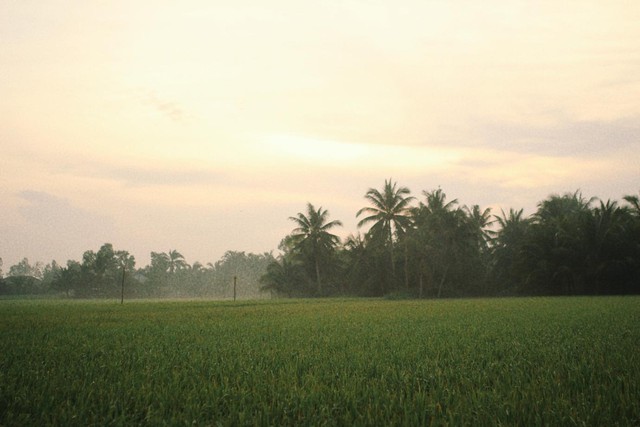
(528, 361)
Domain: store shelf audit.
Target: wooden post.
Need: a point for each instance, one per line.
(235, 280)
(124, 269)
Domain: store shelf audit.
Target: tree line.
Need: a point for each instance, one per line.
(106, 272)
(431, 247)
(417, 247)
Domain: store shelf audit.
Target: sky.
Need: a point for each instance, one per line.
(202, 126)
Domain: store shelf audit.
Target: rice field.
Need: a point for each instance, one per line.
(525, 361)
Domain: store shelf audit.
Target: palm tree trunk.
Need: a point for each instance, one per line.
(393, 264)
(318, 277)
(406, 266)
(444, 277)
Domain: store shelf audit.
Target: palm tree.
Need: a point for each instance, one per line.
(312, 236)
(435, 201)
(389, 214)
(610, 257)
(508, 250)
(176, 261)
(159, 262)
(441, 231)
(283, 277)
(634, 201)
(558, 247)
(478, 222)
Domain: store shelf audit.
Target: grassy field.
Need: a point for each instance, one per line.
(529, 361)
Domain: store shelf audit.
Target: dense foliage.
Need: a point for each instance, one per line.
(110, 273)
(520, 361)
(433, 247)
(425, 247)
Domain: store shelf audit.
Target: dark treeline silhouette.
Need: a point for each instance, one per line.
(100, 275)
(421, 247)
(431, 247)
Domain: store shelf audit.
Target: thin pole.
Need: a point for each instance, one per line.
(235, 280)
(124, 269)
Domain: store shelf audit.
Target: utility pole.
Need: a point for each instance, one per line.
(124, 269)
(235, 281)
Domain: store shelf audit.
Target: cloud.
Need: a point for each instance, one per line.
(51, 227)
(162, 175)
(170, 109)
(566, 138)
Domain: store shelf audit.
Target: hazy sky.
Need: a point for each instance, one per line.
(203, 125)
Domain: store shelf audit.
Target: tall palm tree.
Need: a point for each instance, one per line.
(508, 246)
(176, 261)
(389, 214)
(435, 201)
(312, 237)
(634, 201)
(479, 220)
(159, 262)
(441, 229)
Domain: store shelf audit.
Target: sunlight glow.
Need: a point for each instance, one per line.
(330, 153)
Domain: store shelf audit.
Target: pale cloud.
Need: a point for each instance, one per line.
(51, 227)
(170, 109)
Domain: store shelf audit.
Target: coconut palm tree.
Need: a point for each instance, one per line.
(634, 201)
(507, 247)
(176, 261)
(479, 220)
(389, 213)
(311, 237)
(442, 232)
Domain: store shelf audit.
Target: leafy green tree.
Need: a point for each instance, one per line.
(389, 214)
(49, 274)
(312, 239)
(24, 268)
(102, 272)
(68, 279)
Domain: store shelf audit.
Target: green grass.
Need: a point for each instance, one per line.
(529, 361)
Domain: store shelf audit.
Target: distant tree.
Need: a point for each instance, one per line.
(102, 272)
(508, 252)
(389, 214)
(556, 248)
(447, 243)
(49, 274)
(634, 203)
(612, 253)
(363, 274)
(480, 220)
(159, 262)
(23, 268)
(176, 261)
(284, 277)
(248, 268)
(68, 279)
(312, 238)
(197, 267)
